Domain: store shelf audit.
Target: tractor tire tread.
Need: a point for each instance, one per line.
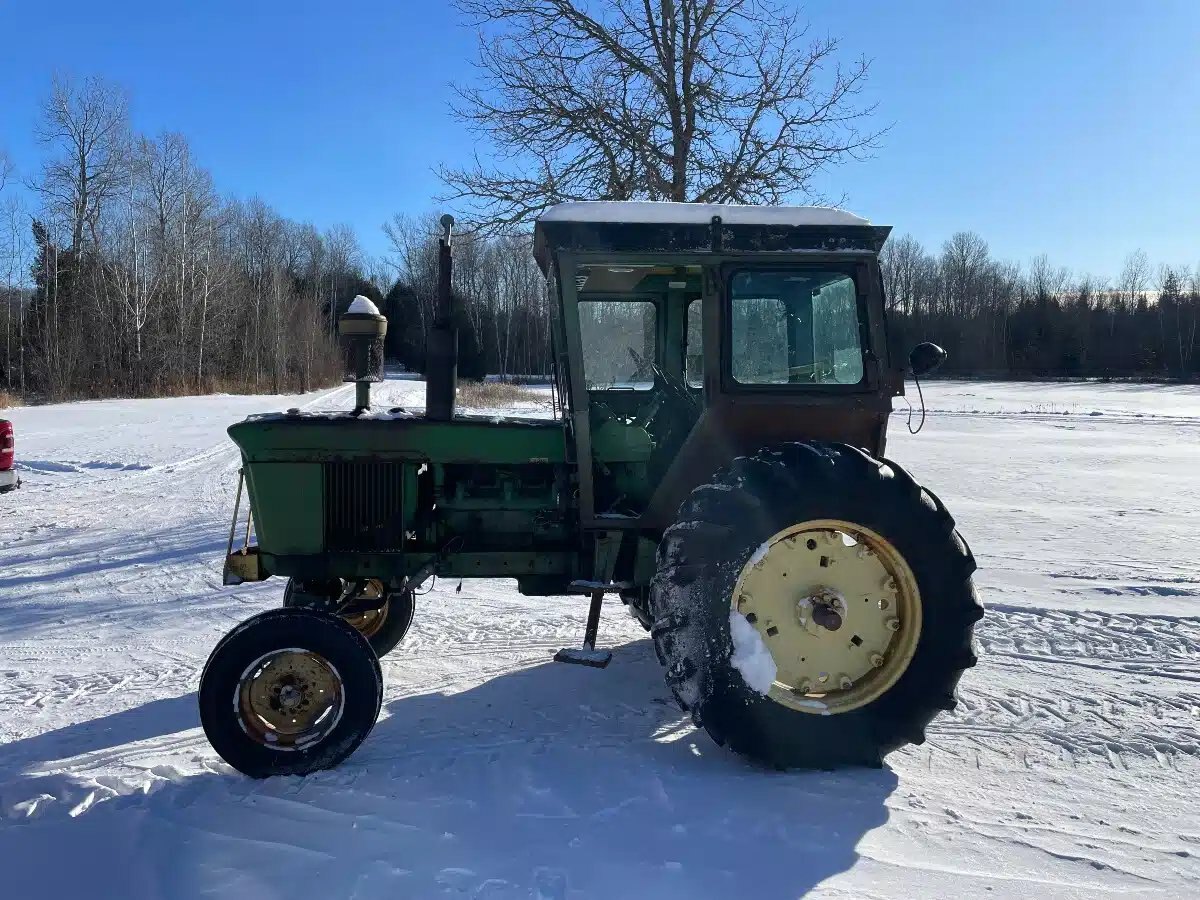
(689, 600)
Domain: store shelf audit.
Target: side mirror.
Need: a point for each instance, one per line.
(925, 358)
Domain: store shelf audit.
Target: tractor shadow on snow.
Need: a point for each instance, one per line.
(548, 781)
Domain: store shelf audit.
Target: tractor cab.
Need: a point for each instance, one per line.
(692, 333)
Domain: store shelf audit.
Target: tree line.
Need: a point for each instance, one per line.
(124, 272)
(997, 319)
(128, 274)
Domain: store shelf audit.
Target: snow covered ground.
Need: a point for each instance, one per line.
(1071, 768)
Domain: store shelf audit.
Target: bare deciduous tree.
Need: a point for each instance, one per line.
(902, 260)
(964, 262)
(6, 168)
(15, 241)
(1134, 276)
(687, 100)
(1047, 282)
(87, 128)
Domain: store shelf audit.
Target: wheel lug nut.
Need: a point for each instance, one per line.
(804, 686)
(877, 659)
(845, 683)
(893, 624)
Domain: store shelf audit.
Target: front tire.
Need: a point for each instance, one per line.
(288, 692)
(851, 534)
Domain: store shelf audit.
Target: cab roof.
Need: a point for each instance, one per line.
(647, 212)
(651, 227)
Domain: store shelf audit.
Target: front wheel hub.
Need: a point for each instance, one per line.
(837, 607)
(289, 699)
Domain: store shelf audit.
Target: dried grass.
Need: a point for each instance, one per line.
(493, 395)
(292, 385)
(186, 387)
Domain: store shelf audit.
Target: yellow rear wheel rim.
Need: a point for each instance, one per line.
(837, 607)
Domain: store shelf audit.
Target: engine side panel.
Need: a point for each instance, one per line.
(389, 497)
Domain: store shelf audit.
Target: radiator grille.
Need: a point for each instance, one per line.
(364, 504)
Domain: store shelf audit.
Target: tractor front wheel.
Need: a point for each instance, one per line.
(813, 607)
(288, 692)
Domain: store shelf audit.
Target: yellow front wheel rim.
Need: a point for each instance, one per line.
(289, 699)
(837, 607)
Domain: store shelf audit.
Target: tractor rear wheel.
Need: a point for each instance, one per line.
(288, 692)
(384, 625)
(813, 607)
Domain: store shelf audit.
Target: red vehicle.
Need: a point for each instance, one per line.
(8, 444)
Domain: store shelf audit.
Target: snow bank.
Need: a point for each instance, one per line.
(750, 655)
(363, 305)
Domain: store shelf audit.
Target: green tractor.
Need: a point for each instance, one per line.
(723, 381)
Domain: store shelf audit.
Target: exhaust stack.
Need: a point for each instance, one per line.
(441, 366)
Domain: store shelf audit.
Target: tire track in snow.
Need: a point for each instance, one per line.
(1054, 635)
(1145, 702)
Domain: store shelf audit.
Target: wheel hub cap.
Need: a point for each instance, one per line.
(827, 617)
(289, 699)
(837, 607)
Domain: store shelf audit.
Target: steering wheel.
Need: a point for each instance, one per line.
(644, 365)
(674, 386)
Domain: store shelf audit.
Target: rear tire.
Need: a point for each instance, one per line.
(722, 525)
(288, 692)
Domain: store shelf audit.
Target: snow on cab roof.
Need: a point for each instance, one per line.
(644, 211)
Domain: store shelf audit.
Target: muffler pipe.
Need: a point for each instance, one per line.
(441, 366)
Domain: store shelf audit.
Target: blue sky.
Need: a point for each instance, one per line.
(1071, 127)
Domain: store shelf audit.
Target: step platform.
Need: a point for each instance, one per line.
(588, 655)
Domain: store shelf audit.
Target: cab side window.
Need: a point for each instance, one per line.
(796, 327)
